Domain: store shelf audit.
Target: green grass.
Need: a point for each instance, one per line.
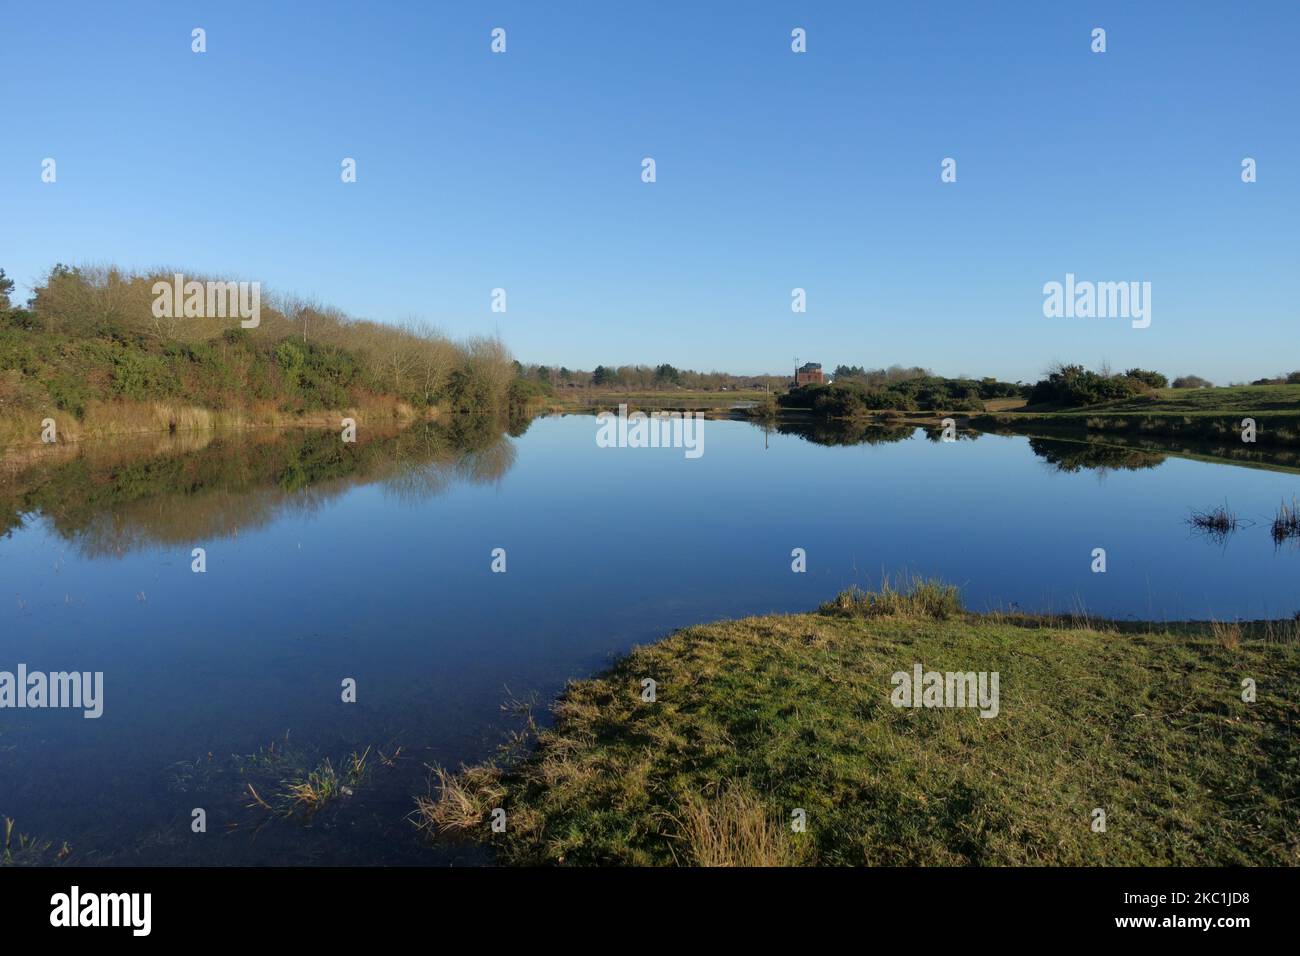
(1213, 401)
(758, 717)
(309, 792)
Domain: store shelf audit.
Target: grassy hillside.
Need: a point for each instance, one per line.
(1211, 416)
(759, 717)
(1211, 401)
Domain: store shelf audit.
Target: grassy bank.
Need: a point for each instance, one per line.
(1203, 415)
(121, 419)
(1279, 429)
(1233, 399)
(759, 717)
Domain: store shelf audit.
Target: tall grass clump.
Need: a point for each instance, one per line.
(1227, 634)
(906, 597)
(463, 802)
(733, 829)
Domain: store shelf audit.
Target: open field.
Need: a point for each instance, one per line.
(757, 718)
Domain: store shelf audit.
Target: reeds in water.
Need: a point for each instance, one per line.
(1218, 522)
(1286, 526)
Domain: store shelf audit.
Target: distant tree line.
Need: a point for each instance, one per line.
(880, 376)
(1287, 378)
(647, 378)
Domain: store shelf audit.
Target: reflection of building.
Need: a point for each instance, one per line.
(810, 373)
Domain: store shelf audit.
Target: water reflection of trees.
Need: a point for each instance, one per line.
(116, 497)
(426, 464)
(1074, 456)
(823, 432)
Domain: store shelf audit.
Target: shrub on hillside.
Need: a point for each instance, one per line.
(1146, 377)
(99, 339)
(848, 397)
(1071, 386)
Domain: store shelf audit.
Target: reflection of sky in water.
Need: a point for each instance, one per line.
(385, 578)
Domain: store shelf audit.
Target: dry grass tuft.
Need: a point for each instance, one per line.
(463, 800)
(733, 829)
(1228, 634)
(903, 597)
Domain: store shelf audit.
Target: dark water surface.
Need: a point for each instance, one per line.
(373, 562)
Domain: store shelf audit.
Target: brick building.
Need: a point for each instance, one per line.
(810, 373)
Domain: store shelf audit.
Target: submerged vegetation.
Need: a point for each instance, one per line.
(19, 849)
(90, 351)
(763, 721)
(313, 790)
(279, 781)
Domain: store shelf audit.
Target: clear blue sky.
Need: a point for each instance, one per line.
(775, 170)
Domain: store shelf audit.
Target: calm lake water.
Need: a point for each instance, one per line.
(373, 562)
